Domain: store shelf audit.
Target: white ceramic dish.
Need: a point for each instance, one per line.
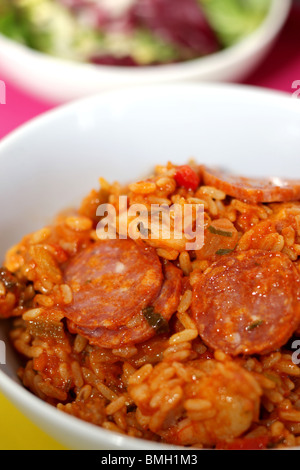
(59, 80)
(52, 162)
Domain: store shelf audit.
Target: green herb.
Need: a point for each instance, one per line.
(88, 281)
(224, 251)
(254, 325)
(155, 320)
(216, 231)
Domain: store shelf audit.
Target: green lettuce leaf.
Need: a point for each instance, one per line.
(233, 20)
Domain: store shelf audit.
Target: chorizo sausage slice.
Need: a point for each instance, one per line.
(253, 190)
(142, 326)
(247, 302)
(112, 280)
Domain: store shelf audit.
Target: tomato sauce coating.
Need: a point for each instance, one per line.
(247, 302)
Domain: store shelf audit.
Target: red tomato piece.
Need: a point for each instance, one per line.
(187, 177)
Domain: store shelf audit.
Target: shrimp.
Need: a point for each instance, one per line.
(196, 403)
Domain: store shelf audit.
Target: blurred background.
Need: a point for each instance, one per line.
(129, 35)
(158, 38)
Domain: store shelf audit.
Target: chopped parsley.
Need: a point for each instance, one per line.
(155, 320)
(224, 251)
(254, 325)
(222, 233)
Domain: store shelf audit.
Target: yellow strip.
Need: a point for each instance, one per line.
(18, 433)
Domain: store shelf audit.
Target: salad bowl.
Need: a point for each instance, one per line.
(56, 77)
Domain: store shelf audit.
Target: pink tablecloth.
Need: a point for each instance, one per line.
(279, 71)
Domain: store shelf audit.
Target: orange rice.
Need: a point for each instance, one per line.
(169, 388)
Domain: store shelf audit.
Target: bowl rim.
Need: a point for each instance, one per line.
(259, 38)
(84, 101)
(15, 392)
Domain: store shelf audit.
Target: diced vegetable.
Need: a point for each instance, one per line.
(155, 320)
(254, 325)
(185, 176)
(220, 238)
(223, 252)
(216, 231)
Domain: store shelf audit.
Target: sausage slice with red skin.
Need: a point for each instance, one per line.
(112, 280)
(137, 329)
(247, 302)
(252, 190)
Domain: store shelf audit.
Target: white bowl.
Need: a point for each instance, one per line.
(54, 161)
(60, 80)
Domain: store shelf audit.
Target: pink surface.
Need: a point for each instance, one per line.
(279, 71)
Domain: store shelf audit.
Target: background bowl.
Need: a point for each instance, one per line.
(54, 161)
(60, 80)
